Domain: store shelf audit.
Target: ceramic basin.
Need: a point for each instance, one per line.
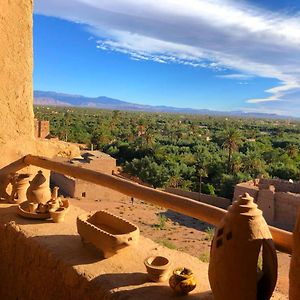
(107, 232)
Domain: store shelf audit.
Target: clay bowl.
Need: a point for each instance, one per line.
(158, 268)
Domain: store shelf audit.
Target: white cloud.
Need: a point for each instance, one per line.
(236, 76)
(214, 34)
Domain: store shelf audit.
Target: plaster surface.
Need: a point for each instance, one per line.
(45, 260)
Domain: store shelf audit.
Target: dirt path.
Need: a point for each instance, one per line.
(175, 231)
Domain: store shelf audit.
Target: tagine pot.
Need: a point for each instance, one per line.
(38, 191)
(240, 238)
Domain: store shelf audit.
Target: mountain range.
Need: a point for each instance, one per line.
(47, 98)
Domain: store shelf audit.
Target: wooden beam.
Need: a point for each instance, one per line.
(186, 206)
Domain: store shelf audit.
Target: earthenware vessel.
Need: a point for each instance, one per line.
(32, 207)
(158, 268)
(240, 238)
(20, 184)
(107, 232)
(182, 281)
(58, 216)
(38, 191)
(294, 288)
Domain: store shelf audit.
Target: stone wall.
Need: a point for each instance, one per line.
(208, 199)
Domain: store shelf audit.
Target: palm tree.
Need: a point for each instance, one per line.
(232, 139)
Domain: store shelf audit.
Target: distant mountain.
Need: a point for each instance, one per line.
(61, 99)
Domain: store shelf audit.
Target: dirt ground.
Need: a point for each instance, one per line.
(175, 231)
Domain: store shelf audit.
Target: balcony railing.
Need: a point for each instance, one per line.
(192, 208)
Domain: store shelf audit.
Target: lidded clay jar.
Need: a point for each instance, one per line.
(38, 191)
(240, 238)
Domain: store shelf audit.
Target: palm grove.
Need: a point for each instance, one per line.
(189, 152)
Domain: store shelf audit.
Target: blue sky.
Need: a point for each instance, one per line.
(221, 55)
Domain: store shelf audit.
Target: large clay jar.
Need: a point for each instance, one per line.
(294, 290)
(240, 238)
(20, 184)
(38, 191)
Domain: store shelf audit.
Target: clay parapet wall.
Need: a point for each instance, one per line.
(204, 198)
(286, 207)
(44, 260)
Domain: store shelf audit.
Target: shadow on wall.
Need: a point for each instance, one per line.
(186, 221)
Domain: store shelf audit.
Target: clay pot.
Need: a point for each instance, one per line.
(32, 207)
(20, 184)
(158, 268)
(38, 191)
(182, 281)
(58, 216)
(239, 239)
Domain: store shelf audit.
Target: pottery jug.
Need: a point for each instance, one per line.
(38, 191)
(240, 238)
(20, 184)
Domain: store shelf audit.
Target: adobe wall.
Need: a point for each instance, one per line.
(286, 207)
(245, 187)
(96, 192)
(105, 165)
(66, 184)
(16, 96)
(44, 260)
(281, 185)
(208, 199)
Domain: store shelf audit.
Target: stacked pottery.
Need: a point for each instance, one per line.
(20, 184)
(294, 290)
(240, 238)
(38, 191)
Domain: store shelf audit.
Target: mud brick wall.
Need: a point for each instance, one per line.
(208, 199)
(286, 207)
(281, 185)
(245, 187)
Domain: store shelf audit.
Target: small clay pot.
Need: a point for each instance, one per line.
(182, 281)
(58, 216)
(158, 268)
(32, 207)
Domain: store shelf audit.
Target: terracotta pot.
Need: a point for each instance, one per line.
(240, 238)
(20, 184)
(158, 268)
(38, 191)
(182, 281)
(32, 207)
(58, 216)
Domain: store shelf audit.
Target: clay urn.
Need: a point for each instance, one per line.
(38, 191)
(20, 184)
(58, 216)
(240, 239)
(182, 281)
(158, 268)
(294, 288)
